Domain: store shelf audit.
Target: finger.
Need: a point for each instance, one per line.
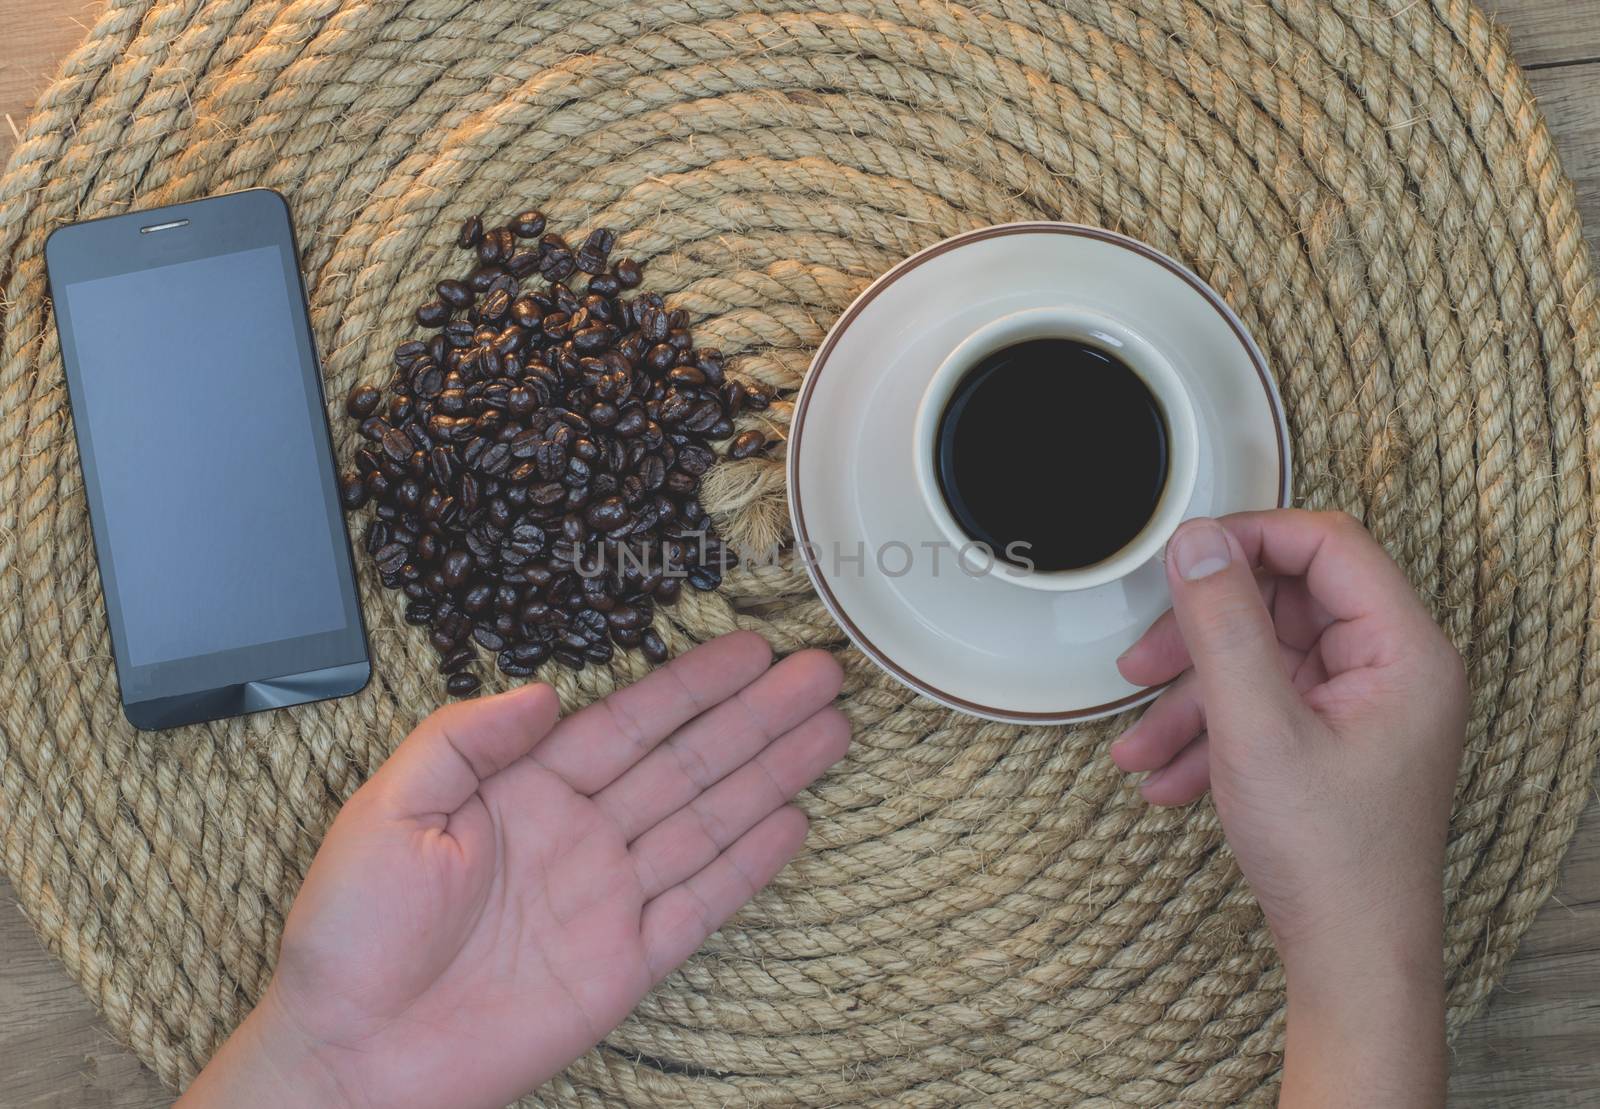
(1160, 654)
(677, 922)
(1179, 714)
(592, 747)
(1299, 617)
(1181, 780)
(690, 838)
(1344, 568)
(1310, 671)
(720, 741)
(441, 764)
(1226, 627)
(1167, 727)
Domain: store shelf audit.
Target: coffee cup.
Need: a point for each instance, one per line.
(1131, 409)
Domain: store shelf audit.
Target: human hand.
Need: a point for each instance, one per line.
(506, 888)
(1326, 712)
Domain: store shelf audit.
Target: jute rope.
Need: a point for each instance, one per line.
(984, 914)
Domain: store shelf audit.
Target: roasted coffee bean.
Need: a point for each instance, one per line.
(510, 667)
(593, 338)
(454, 293)
(653, 646)
(709, 362)
(533, 435)
(459, 658)
(557, 265)
(478, 597)
(397, 445)
(352, 491)
(490, 248)
(390, 558)
(462, 684)
(407, 353)
(747, 444)
(362, 401)
(495, 305)
(529, 225)
(694, 459)
(591, 256)
(457, 565)
(628, 273)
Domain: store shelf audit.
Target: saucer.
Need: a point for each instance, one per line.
(875, 555)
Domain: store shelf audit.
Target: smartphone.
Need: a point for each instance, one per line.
(196, 399)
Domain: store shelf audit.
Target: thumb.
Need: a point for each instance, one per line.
(441, 764)
(1226, 626)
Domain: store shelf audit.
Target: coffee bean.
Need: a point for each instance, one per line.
(495, 305)
(592, 254)
(352, 491)
(510, 667)
(628, 273)
(653, 646)
(454, 293)
(533, 436)
(462, 684)
(490, 248)
(362, 401)
(457, 565)
(529, 225)
(390, 557)
(459, 658)
(747, 444)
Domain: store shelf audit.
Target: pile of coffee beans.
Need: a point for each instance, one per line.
(536, 461)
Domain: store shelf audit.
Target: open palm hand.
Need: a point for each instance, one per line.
(506, 888)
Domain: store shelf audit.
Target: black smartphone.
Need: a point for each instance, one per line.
(196, 397)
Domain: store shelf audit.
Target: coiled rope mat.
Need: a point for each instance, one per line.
(984, 914)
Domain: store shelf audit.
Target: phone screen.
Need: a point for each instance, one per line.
(208, 472)
(199, 413)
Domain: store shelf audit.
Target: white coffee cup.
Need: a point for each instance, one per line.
(1132, 350)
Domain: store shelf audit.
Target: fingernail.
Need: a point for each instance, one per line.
(1199, 550)
(1153, 777)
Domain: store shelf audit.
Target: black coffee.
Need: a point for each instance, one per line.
(1055, 444)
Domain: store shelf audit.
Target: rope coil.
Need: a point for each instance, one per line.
(984, 913)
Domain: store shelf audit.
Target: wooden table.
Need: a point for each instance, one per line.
(1539, 1042)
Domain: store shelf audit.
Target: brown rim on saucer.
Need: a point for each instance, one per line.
(868, 295)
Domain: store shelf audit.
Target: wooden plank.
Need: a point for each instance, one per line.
(55, 1052)
(1570, 98)
(1535, 1045)
(38, 35)
(1549, 32)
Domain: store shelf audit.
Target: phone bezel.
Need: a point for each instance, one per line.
(246, 679)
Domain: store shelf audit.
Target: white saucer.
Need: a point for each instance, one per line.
(979, 643)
